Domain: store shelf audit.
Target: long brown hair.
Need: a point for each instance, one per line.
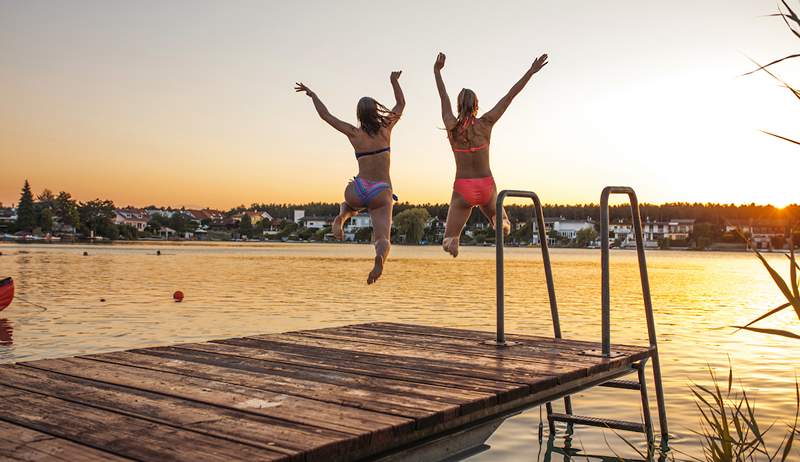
(373, 115)
(467, 111)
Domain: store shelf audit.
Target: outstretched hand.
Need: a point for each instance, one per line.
(439, 64)
(395, 76)
(299, 87)
(540, 62)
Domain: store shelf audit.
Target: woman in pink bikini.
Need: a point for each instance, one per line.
(469, 137)
(372, 188)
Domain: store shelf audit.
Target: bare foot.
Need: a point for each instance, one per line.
(506, 227)
(450, 245)
(376, 272)
(337, 228)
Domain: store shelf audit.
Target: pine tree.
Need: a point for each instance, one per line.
(26, 215)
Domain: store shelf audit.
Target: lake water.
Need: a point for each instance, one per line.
(240, 289)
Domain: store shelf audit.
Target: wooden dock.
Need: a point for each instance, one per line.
(369, 392)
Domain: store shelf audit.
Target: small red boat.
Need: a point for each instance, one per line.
(6, 292)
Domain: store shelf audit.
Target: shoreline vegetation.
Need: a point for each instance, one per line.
(50, 217)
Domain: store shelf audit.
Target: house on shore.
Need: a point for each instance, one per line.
(315, 222)
(356, 223)
(565, 229)
(8, 217)
(764, 233)
(130, 216)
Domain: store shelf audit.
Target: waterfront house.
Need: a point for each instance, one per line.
(565, 229)
(8, 217)
(763, 233)
(677, 229)
(360, 221)
(315, 222)
(165, 232)
(130, 216)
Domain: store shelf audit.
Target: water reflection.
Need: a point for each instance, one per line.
(563, 449)
(6, 332)
(237, 290)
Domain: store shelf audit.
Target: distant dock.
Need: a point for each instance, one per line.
(368, 392)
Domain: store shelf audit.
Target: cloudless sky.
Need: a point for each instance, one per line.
(191, 102)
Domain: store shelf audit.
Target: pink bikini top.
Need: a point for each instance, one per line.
(470, 149)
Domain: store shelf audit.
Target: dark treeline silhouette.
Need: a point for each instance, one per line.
(701, 212)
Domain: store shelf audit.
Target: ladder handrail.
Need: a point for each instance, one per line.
(606, 290)
(548, 271)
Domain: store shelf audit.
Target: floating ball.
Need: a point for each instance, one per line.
(177, 296)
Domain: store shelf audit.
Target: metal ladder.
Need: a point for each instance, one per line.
(606, 352)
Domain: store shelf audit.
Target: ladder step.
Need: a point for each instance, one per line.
(626, 384)
(598, 422)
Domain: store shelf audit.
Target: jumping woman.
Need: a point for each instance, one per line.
(469, 137)
(372, 188)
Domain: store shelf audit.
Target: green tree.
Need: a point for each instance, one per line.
(179, 222)
(66, 210)
(26, 214)
(46, 220)
(585, 236)
(246, 226)
(365, 235)
(97, 216)
(412, 222)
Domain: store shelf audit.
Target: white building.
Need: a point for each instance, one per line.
(566, 229)
(298, 215)
(315, 222)
(360, 221)
(132, 217)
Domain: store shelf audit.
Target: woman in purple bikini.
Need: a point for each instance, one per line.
(372, 188)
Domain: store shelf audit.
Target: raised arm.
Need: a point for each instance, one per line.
(400, 100)
(494, 114)
(447, 109)
(323, 112)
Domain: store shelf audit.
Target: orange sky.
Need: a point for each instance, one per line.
(191, 103)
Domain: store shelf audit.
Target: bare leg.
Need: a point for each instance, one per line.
(346, 211)
(380, 210)
(457, 216)
(489, 210)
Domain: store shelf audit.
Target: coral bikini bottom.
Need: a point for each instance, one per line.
(476, 191)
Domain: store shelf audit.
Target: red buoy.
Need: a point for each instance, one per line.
(177, 296)
(6, 292)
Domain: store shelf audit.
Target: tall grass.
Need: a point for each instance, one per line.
(730, 429)
(792, 21)
(790, 290)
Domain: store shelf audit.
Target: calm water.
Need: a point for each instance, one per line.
(235, 290)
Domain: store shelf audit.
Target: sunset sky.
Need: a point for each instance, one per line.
(191, 103)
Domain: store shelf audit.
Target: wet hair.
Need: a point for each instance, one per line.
(373, 115)
(467, 111)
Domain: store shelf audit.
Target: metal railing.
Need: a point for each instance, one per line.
(548, 270)
(500, 340)
(606, 290)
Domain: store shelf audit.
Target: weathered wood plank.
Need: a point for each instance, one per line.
(23, 444)
(567, 343)
(372, 426)
(338, 360)
(405, 357)
(529, 351)
(123, 435)
(467, 400)
(424, 411)
(280, 436)
(536, 370)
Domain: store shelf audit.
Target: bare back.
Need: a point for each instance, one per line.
(375, 166)
(471, 152)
